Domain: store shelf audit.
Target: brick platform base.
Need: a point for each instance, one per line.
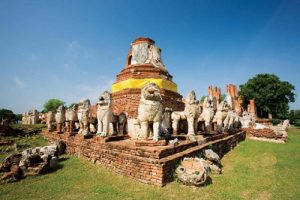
(151, 164)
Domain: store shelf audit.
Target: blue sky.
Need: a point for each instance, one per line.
(74, 49)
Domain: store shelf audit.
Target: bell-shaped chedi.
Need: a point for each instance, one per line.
(143, 65)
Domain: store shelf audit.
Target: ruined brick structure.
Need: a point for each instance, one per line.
(252, 109)
(231, 90)
(147, 161)
(127, 87)
(215, 92)
(151, 165)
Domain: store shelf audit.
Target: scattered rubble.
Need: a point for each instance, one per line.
(195, 171)
(31, 162)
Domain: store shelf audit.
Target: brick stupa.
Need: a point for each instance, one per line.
(143, 65)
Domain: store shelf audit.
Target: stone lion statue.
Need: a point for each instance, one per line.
(247, 120)
(166, 124)
(84, 117)
(150, 110)
(50, 120)
(191, 113)
(207, 115)
(71, 118)
(232, 121)
(221, 114)
(34, 117)
(24, 118)
(119, 123)
(60, 118)
(104, 113)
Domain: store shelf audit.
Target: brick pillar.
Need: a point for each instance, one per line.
(252, 108)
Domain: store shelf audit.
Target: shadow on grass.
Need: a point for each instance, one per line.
(207, 182)
(52, 170)
(63, 159)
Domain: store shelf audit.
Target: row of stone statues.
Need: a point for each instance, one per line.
(31, 117)
(208, 116)
(78, 118)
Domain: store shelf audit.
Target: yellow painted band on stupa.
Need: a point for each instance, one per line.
(139, 83)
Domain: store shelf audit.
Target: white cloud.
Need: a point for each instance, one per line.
(19, 82)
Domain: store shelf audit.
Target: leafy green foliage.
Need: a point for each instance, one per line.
(275, 121)
(52, 105)
(202, 98)
(294, 115)
(297, 122)
(6, 114)
(223, 96)
(271, 95)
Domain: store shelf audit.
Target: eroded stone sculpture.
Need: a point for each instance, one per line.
(150, 110)
(60, 118)
(192, 171)
(30, 162)
(50, 120)
(213, 161)
(247, 120)
(143, 53)
(24, 118)
(104, 114)
(139, 53)
(221, 114)
(34, 117)
(71, 118)
(208, 112)
(154, 56)
(166, 124)
(191, 113)
(119, 124)
(84, 117)
(232, 121)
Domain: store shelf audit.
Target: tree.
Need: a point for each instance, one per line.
(223, 96)
(18, 117)
(52, 104)
(202, 98)
(271, 95)
(294, 115)
(6, 114)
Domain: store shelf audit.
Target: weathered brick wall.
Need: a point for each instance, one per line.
(128, 101)
(151, 165)
(142, 71)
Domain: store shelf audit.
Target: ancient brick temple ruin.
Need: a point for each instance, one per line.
(138, 71)
(151, 161)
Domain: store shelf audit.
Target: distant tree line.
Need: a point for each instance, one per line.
(9, 116)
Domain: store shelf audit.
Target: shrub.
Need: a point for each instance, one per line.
(297, 122)
(275, 121)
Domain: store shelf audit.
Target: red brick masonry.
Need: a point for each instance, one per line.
(152, 164)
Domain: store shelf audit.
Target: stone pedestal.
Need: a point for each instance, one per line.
(148, 164)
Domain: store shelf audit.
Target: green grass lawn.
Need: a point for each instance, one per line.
(253, 170)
